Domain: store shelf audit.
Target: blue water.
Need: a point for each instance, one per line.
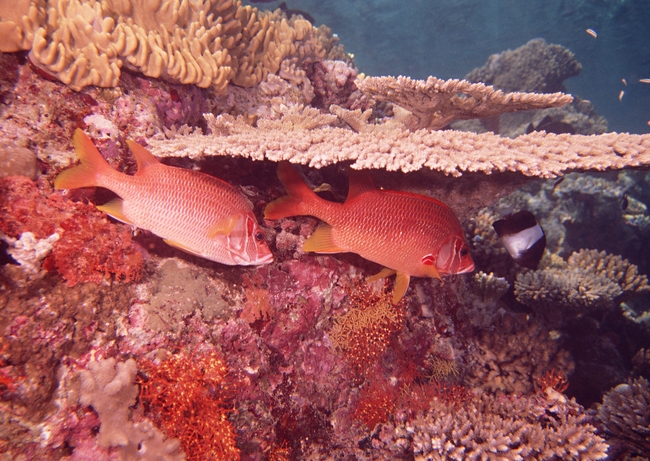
(449, 38)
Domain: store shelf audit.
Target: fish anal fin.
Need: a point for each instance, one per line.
(401, 285)
(114, 209)
(360, 183)
(143, 157)
(224, 226)
(385, 272)
(322, 241)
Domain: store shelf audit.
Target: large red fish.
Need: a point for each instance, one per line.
(408, 234)
(192, 211)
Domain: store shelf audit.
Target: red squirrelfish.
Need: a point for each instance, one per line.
(192, 211)
(408, 234)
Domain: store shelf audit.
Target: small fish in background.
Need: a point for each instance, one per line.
(192, 211)
(620, 95)
(410, 235)
(523, 237)
(551, 126)
(592, 33)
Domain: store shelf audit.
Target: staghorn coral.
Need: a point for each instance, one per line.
(625, 417)
(188, 395)
(512, 355)
(211, 42)
(393, 148)
(589, 281)
(538, 427)
(435, 103)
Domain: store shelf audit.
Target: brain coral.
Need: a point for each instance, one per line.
(209, 42)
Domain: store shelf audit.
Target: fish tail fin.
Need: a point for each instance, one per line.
(301, 198)
(91, 169)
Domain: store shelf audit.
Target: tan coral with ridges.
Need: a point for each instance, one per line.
(203, 42)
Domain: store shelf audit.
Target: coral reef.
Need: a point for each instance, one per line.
(588, 281)
(188, 395)
(209, 43)
(435, 103)
(539, 427)
(87, 248)
(393, 148)
(625, 417)
(535, 67)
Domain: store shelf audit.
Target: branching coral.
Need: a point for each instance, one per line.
(211, 42)
(189, 397)
(391, 147)
(535, 428)
(435, 103)
(590, 280)
(625, 415)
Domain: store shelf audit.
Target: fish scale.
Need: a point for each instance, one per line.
(192, 211)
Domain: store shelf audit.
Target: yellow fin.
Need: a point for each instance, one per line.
(181, 247)
(385, 272)
(143, 157)
(89, 171)
(431, 271)
(321, 241)
(224, 226)
(114, 209)
(401, 285)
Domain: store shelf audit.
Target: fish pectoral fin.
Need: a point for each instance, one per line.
(322, 241)
(385, 272)
(114, 209)
(401, 285)
(431, 271)
(181, 247)
(224, 226)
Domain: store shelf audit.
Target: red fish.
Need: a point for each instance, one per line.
(408, 234)
(192, 211)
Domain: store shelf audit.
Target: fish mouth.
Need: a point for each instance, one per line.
(467, 270)
(266, 259)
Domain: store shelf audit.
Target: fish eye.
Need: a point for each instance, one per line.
(259, 236)
(464, 252)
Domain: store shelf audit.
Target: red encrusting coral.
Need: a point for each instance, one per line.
(189, 397)
(376, 404)
(90, 247)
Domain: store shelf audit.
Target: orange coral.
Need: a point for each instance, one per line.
(188, 398)
(376, 404)
(552, 378)
(365, 331)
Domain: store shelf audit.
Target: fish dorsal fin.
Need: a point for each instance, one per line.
(224, 226)
(143, 157)
(401, 285)
(385, 272)
(114, 209)
(322, 241)
(360, 183)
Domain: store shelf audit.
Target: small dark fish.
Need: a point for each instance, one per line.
(550, 126)
(523, 237)
(624, 203)
(289, 12)
(558, 182)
